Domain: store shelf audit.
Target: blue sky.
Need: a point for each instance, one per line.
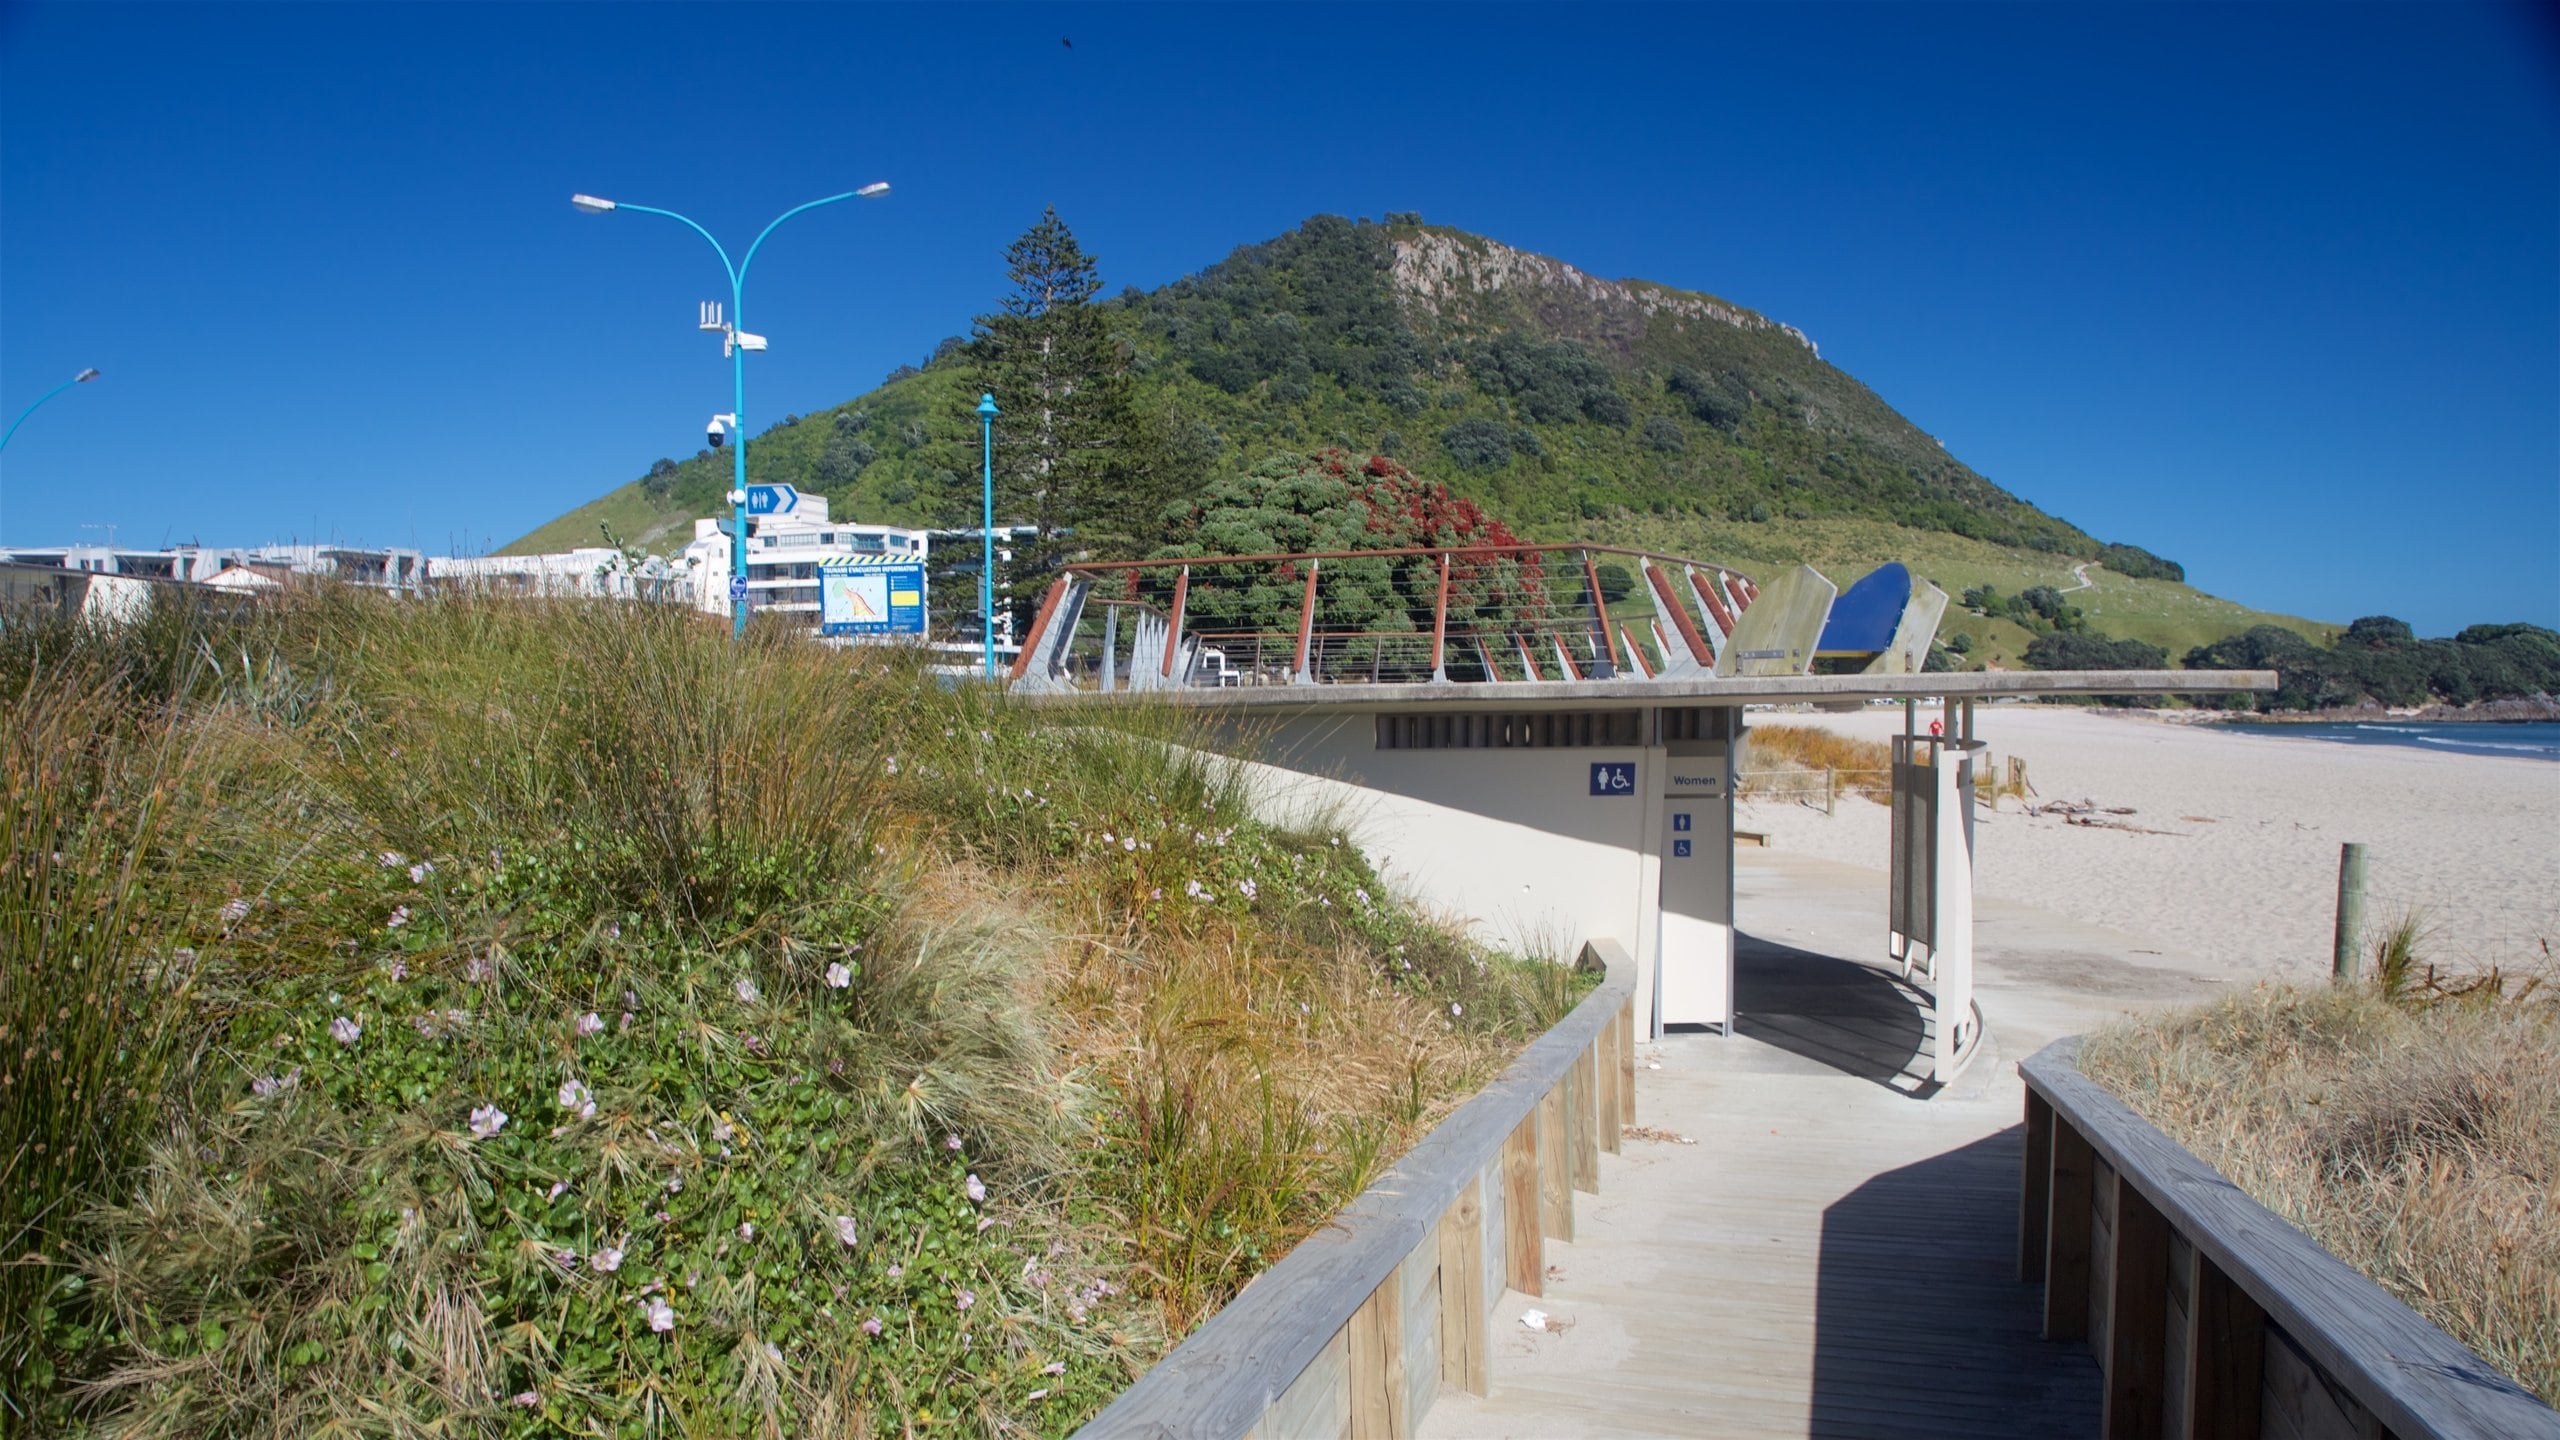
(2272, 290)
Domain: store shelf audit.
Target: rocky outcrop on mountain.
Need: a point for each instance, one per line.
(1435, 267)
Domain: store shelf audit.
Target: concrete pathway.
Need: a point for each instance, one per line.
(1831, 1257)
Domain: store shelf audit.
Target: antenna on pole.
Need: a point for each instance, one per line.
(711, 316)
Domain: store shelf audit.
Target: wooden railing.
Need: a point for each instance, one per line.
(2212, 1317)
(1357, 1330)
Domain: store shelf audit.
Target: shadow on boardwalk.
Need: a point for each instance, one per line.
(1855, 1018)
(1920, 1328)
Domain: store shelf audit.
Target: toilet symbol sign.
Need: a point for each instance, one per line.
(1680, 820)
(1614, 777)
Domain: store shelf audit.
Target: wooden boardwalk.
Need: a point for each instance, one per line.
(1832, 1257)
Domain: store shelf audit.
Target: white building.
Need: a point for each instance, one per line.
(374, 566)
(784, 553)
(594, 572)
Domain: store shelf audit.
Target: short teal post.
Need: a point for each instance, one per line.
(2347, 958)
(987, 413)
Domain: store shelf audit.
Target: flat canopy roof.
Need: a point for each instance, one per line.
(1699, 690)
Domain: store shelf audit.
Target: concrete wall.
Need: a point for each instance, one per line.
(1510, 841)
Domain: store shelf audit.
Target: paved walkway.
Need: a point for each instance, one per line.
(1832, 1257)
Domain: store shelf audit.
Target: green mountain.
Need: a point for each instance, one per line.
(1575, 408)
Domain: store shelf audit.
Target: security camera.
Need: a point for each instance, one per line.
(720, 430)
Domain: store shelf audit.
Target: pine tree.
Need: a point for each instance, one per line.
(1061, 380)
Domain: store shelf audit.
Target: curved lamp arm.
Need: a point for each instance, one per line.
(82, 377)
(737, 275)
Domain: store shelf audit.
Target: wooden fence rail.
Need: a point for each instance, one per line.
(1357, 1330)
(2210, 1316)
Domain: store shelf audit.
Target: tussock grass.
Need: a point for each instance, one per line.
(944, 1061)
(2417, 1138)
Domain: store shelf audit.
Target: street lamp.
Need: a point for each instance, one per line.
(737, 348)
(987, 413)
(82, 378)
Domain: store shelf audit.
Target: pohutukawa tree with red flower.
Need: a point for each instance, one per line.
(1330, 501)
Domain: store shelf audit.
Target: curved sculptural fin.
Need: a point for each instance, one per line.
(1777, 634)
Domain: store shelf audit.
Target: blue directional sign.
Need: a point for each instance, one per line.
(772, 499)
(1613, 777)
(737, 587)
(870, 599)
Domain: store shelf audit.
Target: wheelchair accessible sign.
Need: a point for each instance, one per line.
(1613, 777)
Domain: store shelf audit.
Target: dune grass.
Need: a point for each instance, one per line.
(1779, 756)
(474, 1016)
(2411, 1127)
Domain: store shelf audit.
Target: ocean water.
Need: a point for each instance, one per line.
(2522, 739)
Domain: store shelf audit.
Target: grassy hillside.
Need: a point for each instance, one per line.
(1573, 407)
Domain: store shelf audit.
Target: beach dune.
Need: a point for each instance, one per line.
(2227, 859)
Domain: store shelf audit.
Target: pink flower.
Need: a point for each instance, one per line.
(839, 975)
(487, 1120)
(871, 1326)
(528, 1400)
(399, 917)
(846, 1231)
(977, 1189)
(662, 1316)
(344, 1030)
(590, 1023)
(608, 1259)
(950, 1142)
(968, 1298)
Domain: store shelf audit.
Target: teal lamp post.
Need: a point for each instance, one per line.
(82, 378)
(735, 342)
(987, 413)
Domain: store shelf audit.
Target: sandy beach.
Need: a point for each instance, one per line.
(2228, 859)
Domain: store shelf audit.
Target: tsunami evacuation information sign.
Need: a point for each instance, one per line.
(856, 599)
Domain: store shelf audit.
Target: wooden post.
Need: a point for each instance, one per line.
(1299, 674)
(1627, 1063)
(1605, 1070)
(1524, 1252)
(1600, 611)
(1555, 1186)
(1173, 631)
(2347, 957)
(1440, 625)
(1584, 1110)
(1830, 790)
(2066, 1248)
(1680, 621)
(1377, 1365)
(2225, 1359)
(1039, 626)
(2138, 1318)
(1465, 1352)
(2035, 1187)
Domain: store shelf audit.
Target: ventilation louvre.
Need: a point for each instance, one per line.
(1493, 730)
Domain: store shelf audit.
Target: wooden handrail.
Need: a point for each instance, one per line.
(2408, 1375)
(1244, 1364)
